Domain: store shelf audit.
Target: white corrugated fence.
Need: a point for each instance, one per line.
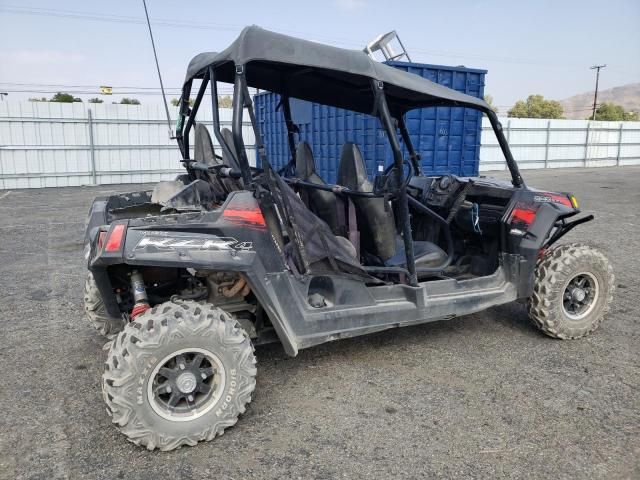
(541, 143)
(47, 144)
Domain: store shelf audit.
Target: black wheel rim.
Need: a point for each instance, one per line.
(580, 296)
(186, 384)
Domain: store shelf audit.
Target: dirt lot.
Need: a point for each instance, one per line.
(482, 396)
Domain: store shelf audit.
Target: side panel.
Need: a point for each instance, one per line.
(377, 308)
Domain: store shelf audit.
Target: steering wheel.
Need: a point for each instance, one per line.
(388, 170)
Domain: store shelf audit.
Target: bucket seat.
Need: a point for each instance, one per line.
(376, 220)
(324, 204)
(231, 161)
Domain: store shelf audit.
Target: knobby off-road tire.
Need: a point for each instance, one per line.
(564, 274)
(162, 347)
(96, 312)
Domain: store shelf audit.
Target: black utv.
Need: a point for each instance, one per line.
(187, 278)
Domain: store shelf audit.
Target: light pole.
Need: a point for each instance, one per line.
(595, 96)
(2, 95)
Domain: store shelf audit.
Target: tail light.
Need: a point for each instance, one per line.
(523, 215)
(115, 238)
(250, 217)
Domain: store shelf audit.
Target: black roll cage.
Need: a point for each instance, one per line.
(391, 126)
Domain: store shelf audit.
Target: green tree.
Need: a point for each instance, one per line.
(613, 113)
(129, 101)
(536, 107)
(175, 102)
(95, 100)
(63, 97)
(225, 101)
(489, 99)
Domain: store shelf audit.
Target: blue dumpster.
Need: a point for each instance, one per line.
(448, 139)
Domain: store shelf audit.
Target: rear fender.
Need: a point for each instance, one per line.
(96, 217)
(234, 238)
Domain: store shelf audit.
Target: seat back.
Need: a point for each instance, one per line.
(324, 204)
(375, 219)
(203, 150)
(231, 161)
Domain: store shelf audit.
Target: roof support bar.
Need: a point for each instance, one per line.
(262, 151)
(192, 116)
(413, 155)
(516, 178)
(292, 128)
(183, 111)
(216, 117)
(382, 111)
(238, 110)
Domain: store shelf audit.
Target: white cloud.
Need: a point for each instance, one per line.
(351, 5)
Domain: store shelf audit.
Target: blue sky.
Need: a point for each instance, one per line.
(542, 47)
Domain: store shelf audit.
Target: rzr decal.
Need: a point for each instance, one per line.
(211, 243)
(552, 198)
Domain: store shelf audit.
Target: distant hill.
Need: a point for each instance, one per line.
(579, 106)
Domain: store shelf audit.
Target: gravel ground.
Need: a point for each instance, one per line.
(482, 396)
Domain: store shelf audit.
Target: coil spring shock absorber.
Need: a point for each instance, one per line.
(141, 301)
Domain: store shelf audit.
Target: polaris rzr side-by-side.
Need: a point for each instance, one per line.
(187, 278)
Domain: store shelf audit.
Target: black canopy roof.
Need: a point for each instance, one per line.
(322, 73)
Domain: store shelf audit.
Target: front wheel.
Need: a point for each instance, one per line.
(179, 374)
(573, 290)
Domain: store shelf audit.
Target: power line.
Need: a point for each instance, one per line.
(65, 86)
(74, 14)
(48, 12)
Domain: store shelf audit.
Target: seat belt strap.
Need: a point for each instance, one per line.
(352, 225)
(343, 227)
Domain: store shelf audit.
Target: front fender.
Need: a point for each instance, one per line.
(527, 236)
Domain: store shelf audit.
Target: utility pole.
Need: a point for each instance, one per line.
(595, 96)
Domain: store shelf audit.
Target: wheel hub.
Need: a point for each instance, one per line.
(580, 295)
(186, 382)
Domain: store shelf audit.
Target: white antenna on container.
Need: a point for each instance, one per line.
(155, 55)
(383, 43)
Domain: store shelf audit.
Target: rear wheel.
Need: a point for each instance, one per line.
(573, 290)
(179, 374)
(97, 313)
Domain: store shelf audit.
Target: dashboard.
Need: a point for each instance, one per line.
(438, 191)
